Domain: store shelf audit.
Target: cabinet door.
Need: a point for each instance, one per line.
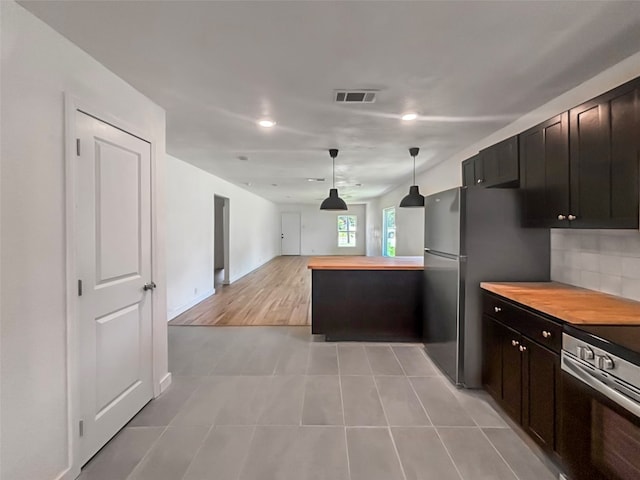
(544, 173)
(540, 375)
(511, 373)
(500, 163)
(604, 160)
(472, 171)
(468, 173)
(492, 356)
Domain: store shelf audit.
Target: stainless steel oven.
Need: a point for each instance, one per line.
(600, 413)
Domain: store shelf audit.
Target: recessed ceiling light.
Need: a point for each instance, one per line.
(408, 117)
(266, 123)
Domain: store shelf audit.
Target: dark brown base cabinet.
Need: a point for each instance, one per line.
(521, 368)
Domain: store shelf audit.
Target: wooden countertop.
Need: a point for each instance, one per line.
(574, 305)
(365, 263)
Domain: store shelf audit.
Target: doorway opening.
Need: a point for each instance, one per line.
(220, 241)
(389, 232)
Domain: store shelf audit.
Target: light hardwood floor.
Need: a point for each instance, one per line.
(278, 293)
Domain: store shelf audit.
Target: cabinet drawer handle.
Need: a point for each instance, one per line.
(497, 309)
(480, 180)
(571, 218)
(562, 217)
(523, 348)
(515, 343)
(546, 334)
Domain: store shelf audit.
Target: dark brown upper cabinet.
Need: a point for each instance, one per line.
(499, 164)
(472, 171)
(604, 156)
(495, 166)
(580, 168)
(544, 173)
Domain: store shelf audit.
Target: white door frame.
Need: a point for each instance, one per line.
(226, 212)
(159, 341)
(226, 207)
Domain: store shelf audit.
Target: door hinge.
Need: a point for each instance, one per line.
(81, 428)
(79, 288)
(77, 146)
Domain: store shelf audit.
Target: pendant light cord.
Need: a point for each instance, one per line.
(334, 172)
(414, 170)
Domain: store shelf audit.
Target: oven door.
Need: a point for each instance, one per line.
(600, 424)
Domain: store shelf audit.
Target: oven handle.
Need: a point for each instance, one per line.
(577, 370)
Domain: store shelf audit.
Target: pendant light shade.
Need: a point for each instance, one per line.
(414, 199)
(333, 201)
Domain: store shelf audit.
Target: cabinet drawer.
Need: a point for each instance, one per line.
(498, 308)
(538, 328)
(542, 330)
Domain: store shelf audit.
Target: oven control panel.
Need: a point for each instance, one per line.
(601, 360)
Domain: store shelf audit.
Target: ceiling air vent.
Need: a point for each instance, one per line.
(355, 96)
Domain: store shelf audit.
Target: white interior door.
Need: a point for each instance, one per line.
(290, 233)
(113, 213)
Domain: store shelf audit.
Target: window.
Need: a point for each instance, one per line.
(347, 230)
(389, 232)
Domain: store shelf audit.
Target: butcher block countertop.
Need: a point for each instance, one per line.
(365, 263)
(574, 305)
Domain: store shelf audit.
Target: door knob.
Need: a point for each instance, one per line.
(523, 348)
(515, 343)
(546, 334)
(562, 217)
(149, 286)
(480, 180)
(497, 309)
(571, 218)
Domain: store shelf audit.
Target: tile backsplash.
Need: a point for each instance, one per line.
(604, 260)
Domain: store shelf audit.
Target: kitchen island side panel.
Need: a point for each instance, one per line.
(371, 305)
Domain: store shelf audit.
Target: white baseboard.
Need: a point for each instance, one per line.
(67, 474)
(165, 382)
(174, 313)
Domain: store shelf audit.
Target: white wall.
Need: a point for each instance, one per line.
(320, 229)
(410, 226)
(374, 228)
(38, 65)
(254, 233)
(604, 260)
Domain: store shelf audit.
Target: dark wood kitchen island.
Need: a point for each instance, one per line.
(367, 298)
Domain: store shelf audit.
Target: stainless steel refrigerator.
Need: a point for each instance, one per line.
(472, 235)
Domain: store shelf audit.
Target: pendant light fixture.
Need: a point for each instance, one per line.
(414, 199)
(333, 201)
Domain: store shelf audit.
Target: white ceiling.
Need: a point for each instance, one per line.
(467, 67)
